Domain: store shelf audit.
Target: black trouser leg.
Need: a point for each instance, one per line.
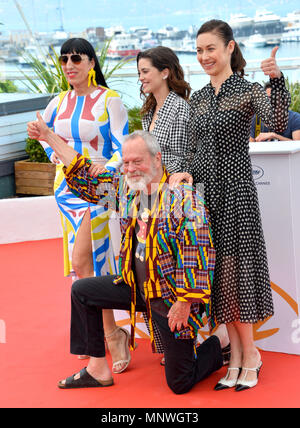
(182, 369)
(88, 297)
(91, 295)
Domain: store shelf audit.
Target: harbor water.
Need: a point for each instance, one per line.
(127, 85)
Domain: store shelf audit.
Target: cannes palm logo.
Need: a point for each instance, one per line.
(2, 332)
(257, 172)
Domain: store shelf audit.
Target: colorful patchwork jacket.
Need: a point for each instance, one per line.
(180, 256)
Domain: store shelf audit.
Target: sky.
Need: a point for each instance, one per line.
(78, 15)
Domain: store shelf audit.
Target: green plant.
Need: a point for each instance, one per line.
(294, 90)
(35, 151)
(8, 86)
(48, 76)
(107, 70)
(134, 119)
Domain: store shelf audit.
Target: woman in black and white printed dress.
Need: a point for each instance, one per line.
(221, 115)
(165, 112)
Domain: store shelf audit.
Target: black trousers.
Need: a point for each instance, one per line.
(182, 369)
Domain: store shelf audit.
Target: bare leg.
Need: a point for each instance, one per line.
(236, 350)
(251, 355)
(82, 263)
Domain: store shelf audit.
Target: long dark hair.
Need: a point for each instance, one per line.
(224, 30)
(162, 57)
(81, 46)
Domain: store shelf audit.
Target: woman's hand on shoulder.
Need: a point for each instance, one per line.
(178, 177)
(269, 66)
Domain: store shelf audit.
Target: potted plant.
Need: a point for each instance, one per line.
(35, 175)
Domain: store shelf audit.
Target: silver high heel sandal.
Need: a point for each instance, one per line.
(243, 384)
(225, 383)
(125, 362)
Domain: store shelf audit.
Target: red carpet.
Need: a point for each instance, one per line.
(34, 305)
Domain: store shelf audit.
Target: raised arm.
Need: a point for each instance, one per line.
(49, 117)
(273, 112)
(39, 130)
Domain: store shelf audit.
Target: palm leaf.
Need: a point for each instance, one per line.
(49, 77)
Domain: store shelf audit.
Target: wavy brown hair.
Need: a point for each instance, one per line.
(162, 57)
(223, 30)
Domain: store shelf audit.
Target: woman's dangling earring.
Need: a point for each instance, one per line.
(92, 77)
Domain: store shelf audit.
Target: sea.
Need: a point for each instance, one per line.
(287, 55)
(129, 87)
(154, 14)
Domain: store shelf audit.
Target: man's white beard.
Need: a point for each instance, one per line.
(141, 183)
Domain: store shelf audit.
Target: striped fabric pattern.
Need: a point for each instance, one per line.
(94, 125)
(180, 256)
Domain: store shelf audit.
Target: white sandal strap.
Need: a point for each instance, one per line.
(250, 370)
(107, 336)
(121, 362)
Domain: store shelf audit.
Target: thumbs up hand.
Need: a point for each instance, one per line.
(269, 66)
(38, 129)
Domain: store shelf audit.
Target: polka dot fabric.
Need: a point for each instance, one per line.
(220, 129)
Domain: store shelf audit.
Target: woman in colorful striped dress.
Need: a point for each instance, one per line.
(93, 120)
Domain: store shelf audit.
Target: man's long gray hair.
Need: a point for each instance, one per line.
(150, 140)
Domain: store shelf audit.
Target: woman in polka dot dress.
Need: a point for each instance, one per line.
(221, 115)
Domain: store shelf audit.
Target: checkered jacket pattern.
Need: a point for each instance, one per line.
(171, 131)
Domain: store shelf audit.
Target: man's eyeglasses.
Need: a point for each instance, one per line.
(75, 58)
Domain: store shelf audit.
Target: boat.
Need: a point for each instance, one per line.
(146, 39)
(264, 22)
(167, 32)
(291, 18)
(33, 51)
(255, 41)
(291, 33)
(123, 47)
(242, 25)
(269, 26)
(187, 46)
